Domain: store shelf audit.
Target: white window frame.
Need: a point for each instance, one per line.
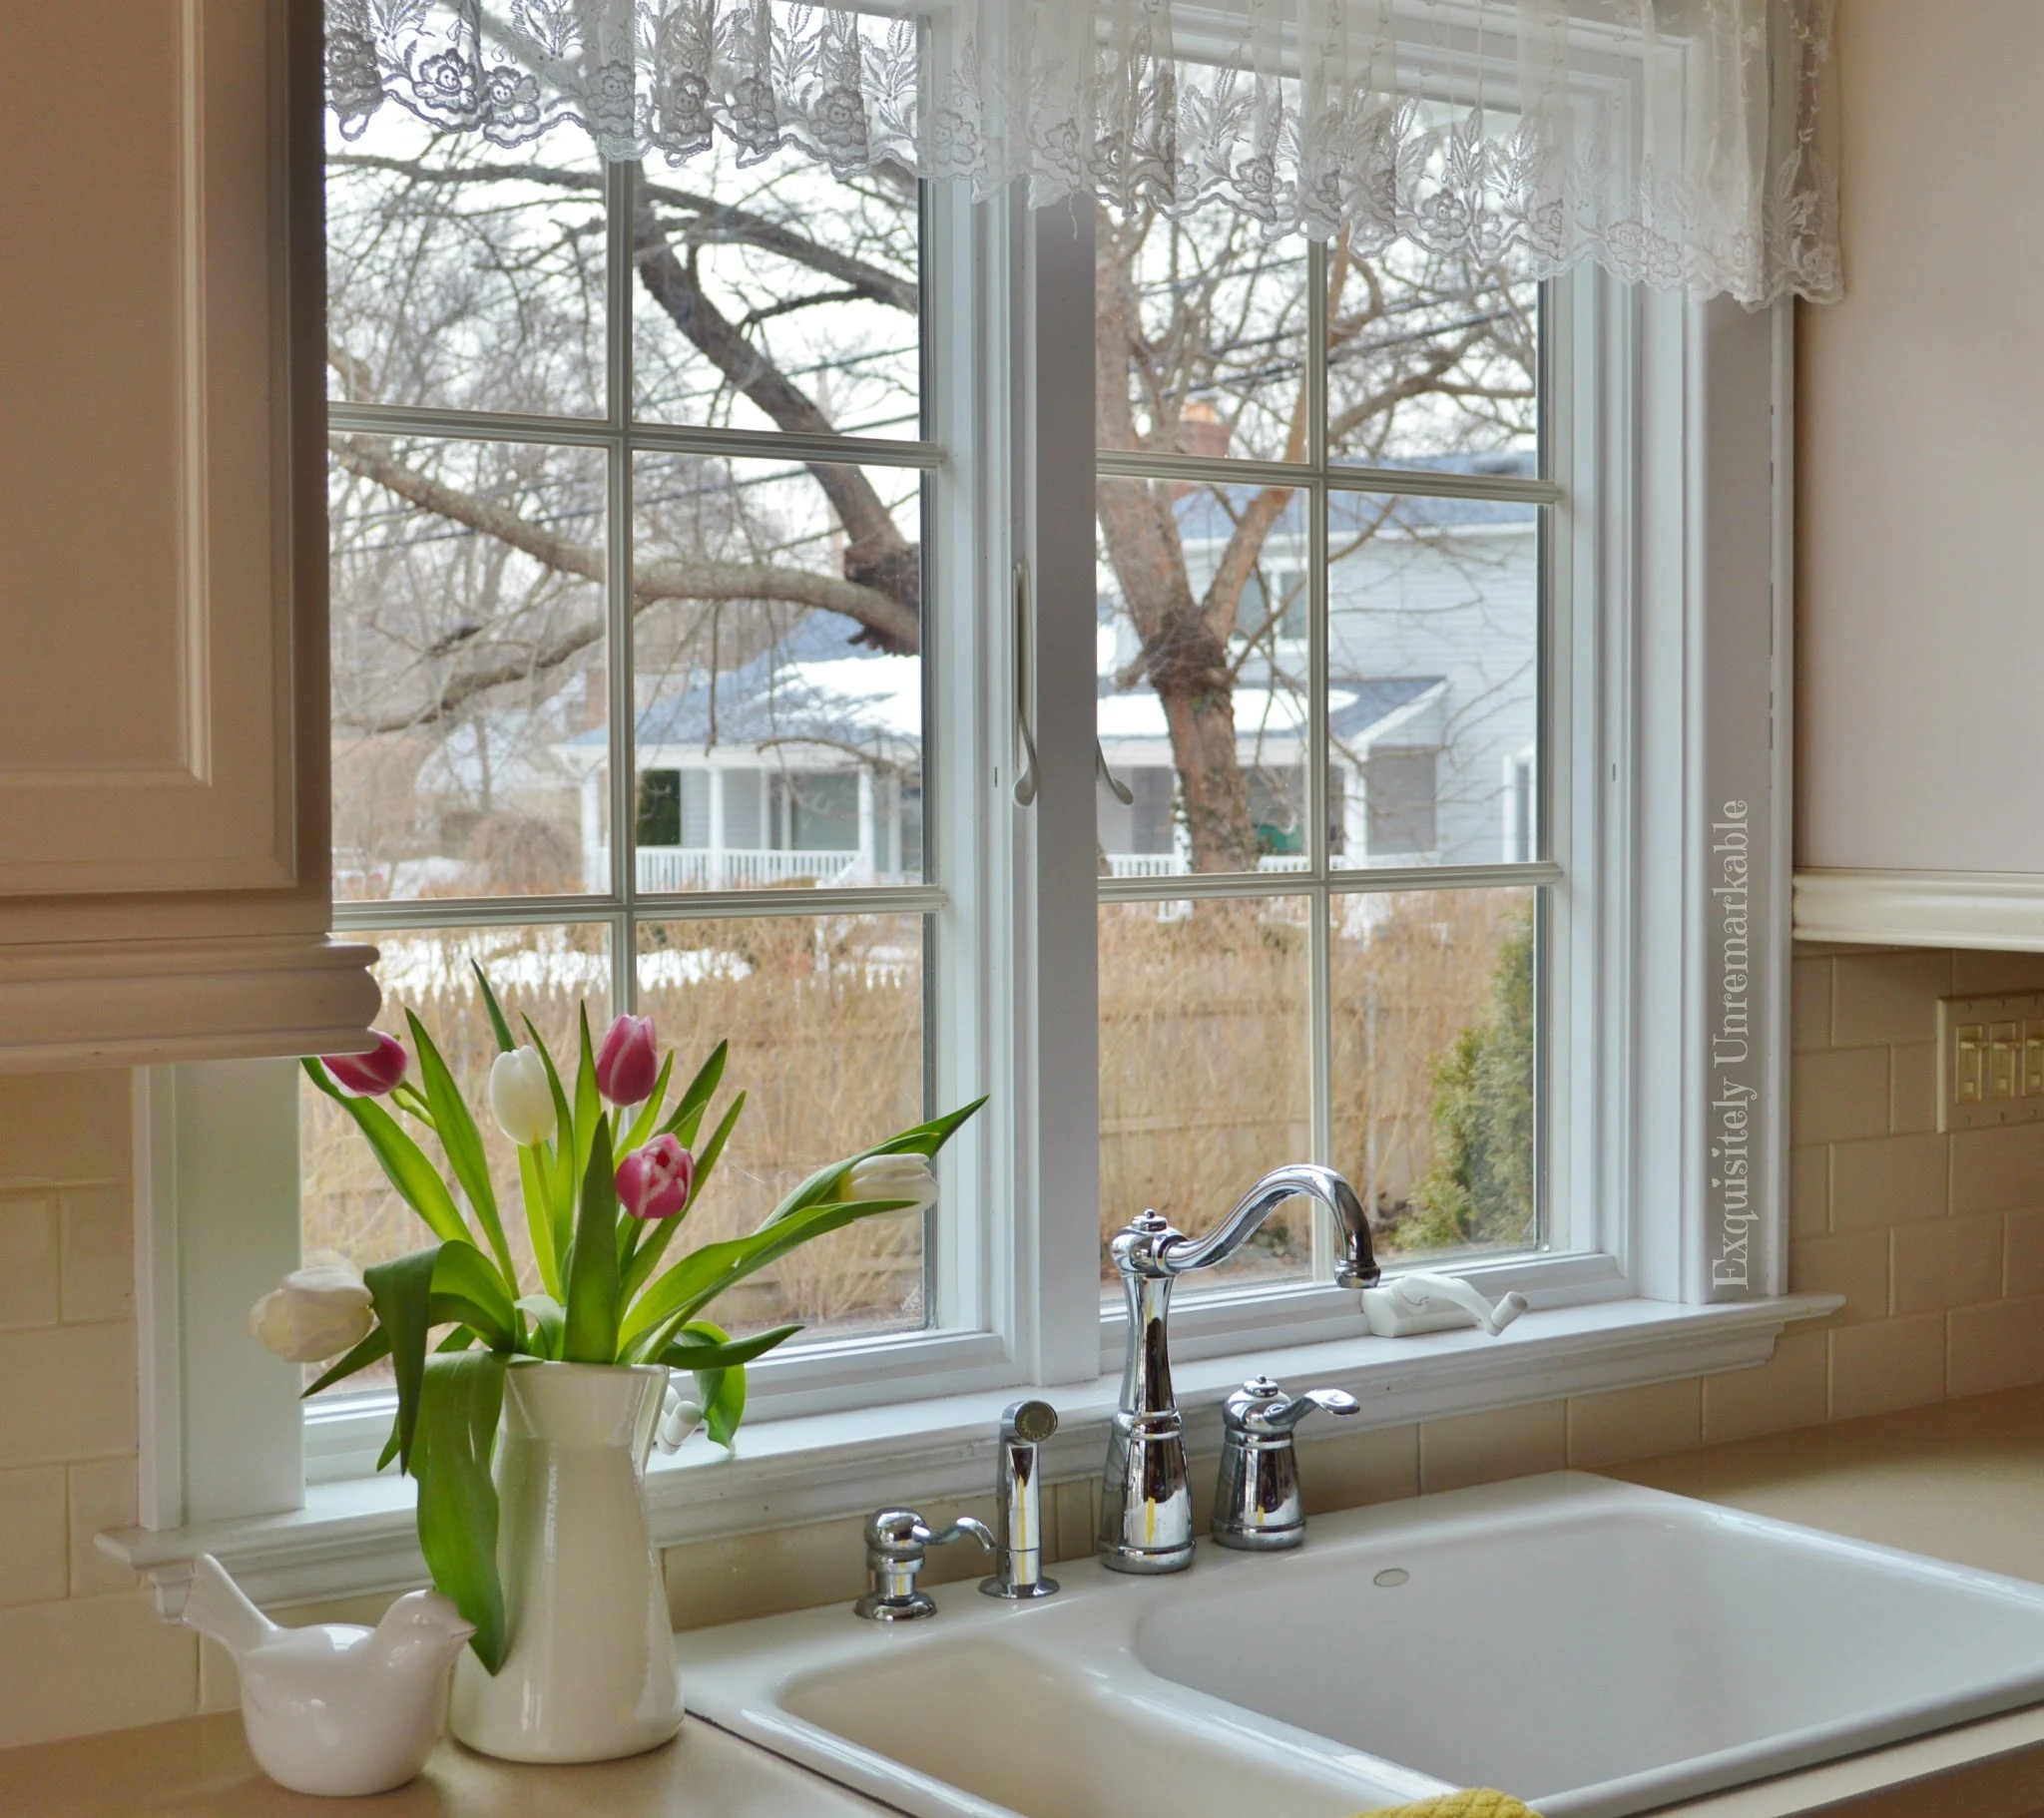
(1668, 684)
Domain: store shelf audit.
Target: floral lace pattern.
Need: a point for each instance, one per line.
(1684, 144)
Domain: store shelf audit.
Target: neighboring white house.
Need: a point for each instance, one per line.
(804, 766)
(1432, 691)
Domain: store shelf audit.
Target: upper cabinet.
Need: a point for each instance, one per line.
(1919, 625)
(163, 867)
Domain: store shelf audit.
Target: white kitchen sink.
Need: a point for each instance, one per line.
(1594, 1647)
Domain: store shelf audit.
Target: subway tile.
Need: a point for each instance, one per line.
(2000, 1346)
(1856, 1266)
(1838, 1096)
(1789, 1390)
(32, 1536)
(1809, 1190)
(1074, 1514)
(2023, 1256)
(102, 1495)
(29, 1270)
(764, 1573)
(1346, 1469)
(1889, 1181)
(64, 1125)
(1810, 1004)
(1955, 1262)
(1894, 1363)
(1888, 996)
(1623, 1424)
(89, 1665)
(1979, 974)
(70, 1394)
(99, 1253)
(1486, 1448)
(1997, 1171)
(1912, 1086)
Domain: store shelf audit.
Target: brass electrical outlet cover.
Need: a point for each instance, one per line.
(1990, 1061)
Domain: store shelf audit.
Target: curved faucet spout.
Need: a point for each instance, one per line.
(1146, 1510)
(1358, 1267)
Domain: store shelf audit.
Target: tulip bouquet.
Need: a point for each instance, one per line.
(607, 1168)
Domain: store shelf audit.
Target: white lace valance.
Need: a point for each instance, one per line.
(1677, 142)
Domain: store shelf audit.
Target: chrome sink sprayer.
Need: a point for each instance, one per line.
(1146, 1503)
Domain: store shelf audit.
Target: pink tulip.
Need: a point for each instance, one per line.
(656, 1181)
(628, 1063)
(372, 1074)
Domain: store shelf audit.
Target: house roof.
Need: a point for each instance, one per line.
(1356, 703)
(812, 685)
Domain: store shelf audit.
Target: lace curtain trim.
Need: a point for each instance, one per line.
(1683, 144)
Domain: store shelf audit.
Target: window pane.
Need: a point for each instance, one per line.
(1433, 674)
(1435, 1065)
(1202, 335)
(779, 675)
(777, 295)
(1431, 364)
(1205, 1073)
(1203, 707)
(468, 668)
(824, 1016)
(345, 1201)
(462, 276)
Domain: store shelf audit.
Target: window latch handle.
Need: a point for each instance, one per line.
(1115, 786)
(1025, 784)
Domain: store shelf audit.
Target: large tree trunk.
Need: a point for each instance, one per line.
(1184, 657)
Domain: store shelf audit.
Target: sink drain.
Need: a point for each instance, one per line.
(1390, 1576)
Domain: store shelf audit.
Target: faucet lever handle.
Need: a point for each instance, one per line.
(1262, 1408)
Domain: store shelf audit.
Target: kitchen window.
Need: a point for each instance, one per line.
(715, 550)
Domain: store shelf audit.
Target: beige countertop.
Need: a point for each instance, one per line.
(1964, 1482)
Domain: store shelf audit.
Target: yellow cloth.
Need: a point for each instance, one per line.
(1480, 1802)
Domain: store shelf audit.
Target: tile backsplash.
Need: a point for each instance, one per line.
(1937, 1243)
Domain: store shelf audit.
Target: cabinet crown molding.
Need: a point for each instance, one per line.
(2002, 911)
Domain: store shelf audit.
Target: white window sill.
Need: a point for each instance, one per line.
(357, 1536)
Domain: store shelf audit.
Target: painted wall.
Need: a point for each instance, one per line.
(1938, 1243)
(1920, 401)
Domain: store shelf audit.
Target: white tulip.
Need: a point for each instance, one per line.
(315, 1312)
(520, 1097)
(892, 1177)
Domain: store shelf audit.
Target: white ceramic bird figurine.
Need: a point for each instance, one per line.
(334, 1708)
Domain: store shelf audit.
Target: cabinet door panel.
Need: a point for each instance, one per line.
(146, 697)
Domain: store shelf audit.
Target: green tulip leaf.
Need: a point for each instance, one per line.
(498, 1026)
(372, 1349)
(704, 1274)
(591, 1331)
(461, 1403)
(463, 1143)
(403, 1162)
(403, 1293)
(695, 1100)
(920, 1140)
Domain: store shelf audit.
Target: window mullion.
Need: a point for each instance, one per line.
(622, 694)
(1058, 942)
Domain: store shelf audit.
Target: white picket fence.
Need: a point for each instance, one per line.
(697, 868)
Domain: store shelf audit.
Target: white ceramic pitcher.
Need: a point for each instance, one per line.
(591, 1673)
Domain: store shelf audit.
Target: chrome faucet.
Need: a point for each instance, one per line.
(1146, 1502)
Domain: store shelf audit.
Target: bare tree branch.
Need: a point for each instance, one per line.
(672, 578)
